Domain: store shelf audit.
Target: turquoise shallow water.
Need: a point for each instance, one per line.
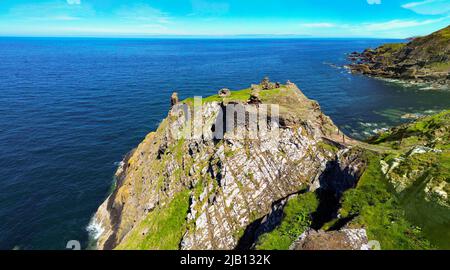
(71, 108)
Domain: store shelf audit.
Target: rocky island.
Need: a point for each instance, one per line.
(308, 187)
(422, 60)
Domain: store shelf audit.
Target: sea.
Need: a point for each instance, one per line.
(71, 108)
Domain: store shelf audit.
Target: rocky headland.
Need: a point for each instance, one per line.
(421, 60)
(298, 183)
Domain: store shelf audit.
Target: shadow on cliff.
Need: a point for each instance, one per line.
(338, 176)
(115, 209)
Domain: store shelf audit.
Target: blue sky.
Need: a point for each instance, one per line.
(317, 18)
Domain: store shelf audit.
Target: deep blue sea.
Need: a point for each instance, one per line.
(71, 108)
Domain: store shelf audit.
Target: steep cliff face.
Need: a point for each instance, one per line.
(424, 59)
(203, 193)
(290, 181)
(401, 200)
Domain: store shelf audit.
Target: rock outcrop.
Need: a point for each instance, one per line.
(422, 60)
(345, 239)
(230, 181)
(266, 169)
(174, 99)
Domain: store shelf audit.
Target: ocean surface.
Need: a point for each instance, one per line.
(71, 108)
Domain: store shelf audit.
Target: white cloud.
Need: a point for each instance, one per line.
(374, 2)
(74, 2)
(386, 29)
(415, 4)
(64, 18)
(50, 11)
(318, 25)
(429, 7)
(385, 26)
(397, 24)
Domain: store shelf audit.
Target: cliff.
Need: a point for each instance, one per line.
(291, 181)
(423, 59)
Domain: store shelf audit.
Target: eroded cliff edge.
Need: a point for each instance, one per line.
(292, 190)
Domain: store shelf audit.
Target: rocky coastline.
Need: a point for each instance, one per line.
(421, 61)
(310, 187)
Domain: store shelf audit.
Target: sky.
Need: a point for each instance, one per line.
(309, 18)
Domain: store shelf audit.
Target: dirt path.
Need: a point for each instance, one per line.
(343, 140)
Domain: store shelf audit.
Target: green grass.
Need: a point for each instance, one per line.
(392, 47)
(422, 170)
(431, 216)
(444, 33)
(266, 96)
(389, 50)
(296, 219)
(329, 147)
(377, 208)
(422, 131)
(403, 221)
(229, 153)
(178, 150)
(162, 229)
(440, 66)
(241, 95)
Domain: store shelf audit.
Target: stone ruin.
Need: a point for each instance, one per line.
(254, 96)
(266, 84)
(224, 92)
(289, 83)
(174, 99)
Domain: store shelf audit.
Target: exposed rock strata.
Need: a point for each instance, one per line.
(233, 182)
(231, 186)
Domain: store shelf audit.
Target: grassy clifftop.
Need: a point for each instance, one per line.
(427, 50)
(424, 59)
(419, 175)
(430, 131)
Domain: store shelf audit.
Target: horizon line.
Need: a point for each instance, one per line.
(167, 36)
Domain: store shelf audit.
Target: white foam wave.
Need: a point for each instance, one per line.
(95, 229)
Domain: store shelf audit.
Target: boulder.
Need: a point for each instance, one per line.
(345, 239)
(361, 68)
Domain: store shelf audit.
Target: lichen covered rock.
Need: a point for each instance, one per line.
(231, 181)
(281, 176)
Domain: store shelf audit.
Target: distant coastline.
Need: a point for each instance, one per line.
(422, 61)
